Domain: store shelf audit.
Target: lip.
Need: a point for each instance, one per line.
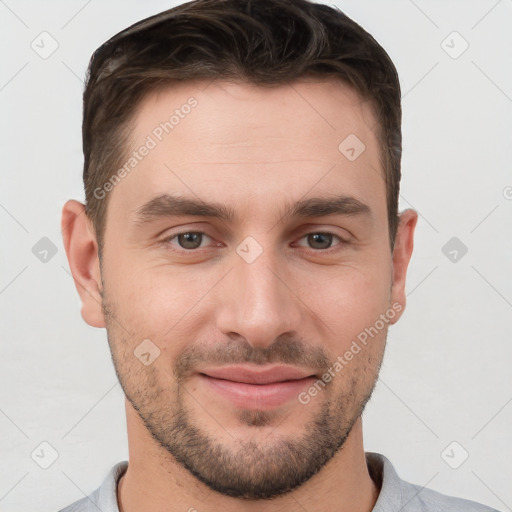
(257, 375)
(257, 388)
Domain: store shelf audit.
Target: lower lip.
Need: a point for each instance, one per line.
(257, 396)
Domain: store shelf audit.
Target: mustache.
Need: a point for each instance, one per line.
(284, 350)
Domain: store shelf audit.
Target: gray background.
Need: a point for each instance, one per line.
(446, 374)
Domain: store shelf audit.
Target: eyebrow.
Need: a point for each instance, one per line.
(166, 205)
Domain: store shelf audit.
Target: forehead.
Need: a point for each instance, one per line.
(325, 110)
(252, 145)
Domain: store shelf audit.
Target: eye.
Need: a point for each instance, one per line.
(188, 240)
(321, 240)
(191, 240)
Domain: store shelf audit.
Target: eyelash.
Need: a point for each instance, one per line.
(167, 241)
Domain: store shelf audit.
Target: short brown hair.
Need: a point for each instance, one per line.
(264, 42)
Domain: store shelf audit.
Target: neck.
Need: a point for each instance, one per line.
(154, 481)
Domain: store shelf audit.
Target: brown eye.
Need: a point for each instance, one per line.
(190, 240)
(320, 240)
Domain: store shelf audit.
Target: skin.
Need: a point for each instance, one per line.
(252, 149)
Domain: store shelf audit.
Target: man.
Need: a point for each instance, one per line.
(241, 243)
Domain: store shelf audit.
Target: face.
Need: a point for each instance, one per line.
(247, 278)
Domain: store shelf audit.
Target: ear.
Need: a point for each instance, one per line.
(402, 252)
(82, 252)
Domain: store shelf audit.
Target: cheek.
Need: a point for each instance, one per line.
(348, 299)
(170, 305)
(165, 305)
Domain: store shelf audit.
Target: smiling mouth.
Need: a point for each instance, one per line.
(257, 388)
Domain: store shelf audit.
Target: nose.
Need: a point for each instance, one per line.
(258, 300)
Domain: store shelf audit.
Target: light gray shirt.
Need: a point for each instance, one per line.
(395, 494)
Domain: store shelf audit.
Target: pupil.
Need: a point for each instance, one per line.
(317, 237)
(190, 240)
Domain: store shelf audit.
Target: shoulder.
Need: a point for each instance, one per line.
(417, 498)
(104, 498)
(397, 494)
(87, 504)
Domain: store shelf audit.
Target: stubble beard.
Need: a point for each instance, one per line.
(247, 470)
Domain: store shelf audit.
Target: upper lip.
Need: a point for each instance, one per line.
(257, 375)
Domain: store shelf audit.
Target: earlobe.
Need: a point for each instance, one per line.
(402, 253)
(82, 253)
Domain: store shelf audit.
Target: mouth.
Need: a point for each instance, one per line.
(253, 388)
